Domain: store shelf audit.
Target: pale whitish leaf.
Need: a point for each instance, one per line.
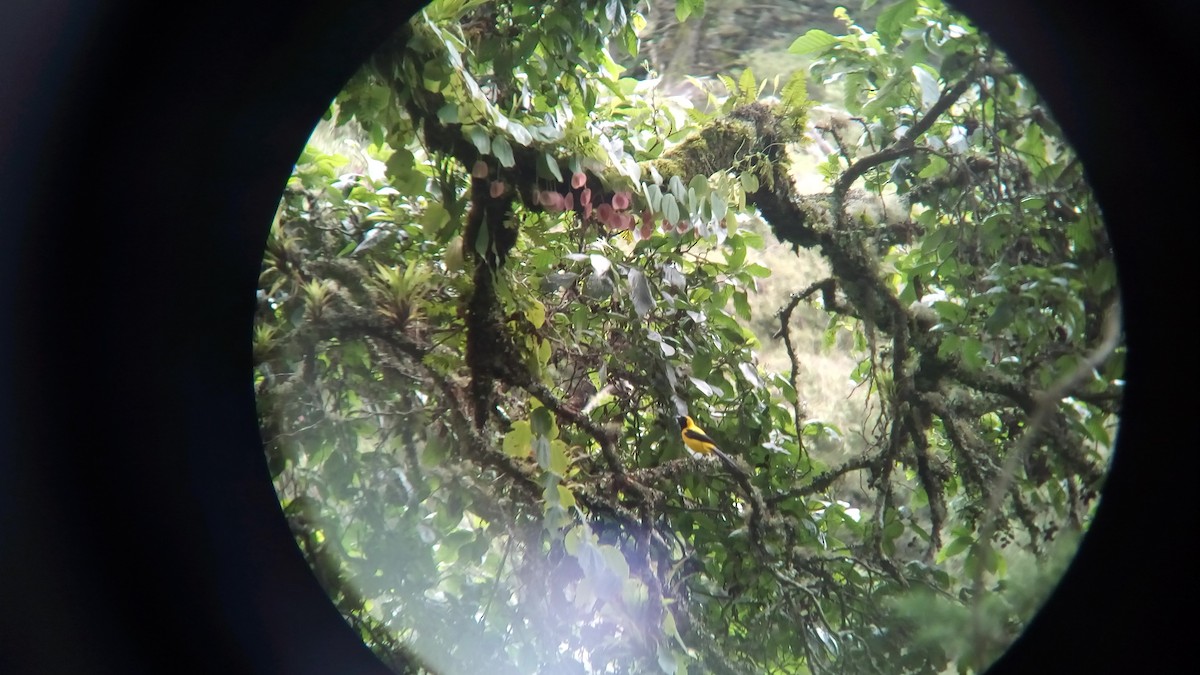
(929, 87)
(547, 133)
(676, 187)
(655, 175)
(541, 451)
(600, 264)
(598, 287)
(519, 133)
(654, 196)
(480, 138)
(656, 337)
(643, 299)
(957, 140)
(552, 164)
(829, 641)
(666, 660)
(503, 152)
(704, 387)
(632, 169)
(452, 52)
(719, 206)
(448, 114)
(674, 277)
(750, 374)
(670, 209)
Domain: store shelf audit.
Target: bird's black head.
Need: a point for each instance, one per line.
(683, 422)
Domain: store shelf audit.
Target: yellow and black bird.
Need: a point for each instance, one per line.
(694, 437)
(700, 443)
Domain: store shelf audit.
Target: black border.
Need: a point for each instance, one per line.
(144, 146)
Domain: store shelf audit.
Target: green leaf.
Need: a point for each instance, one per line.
(972, 353)
(615, 561)
(1094, 425)
(434, 219)
(1001, 317)
(518, 442)
(566, 498)
(955, 547)
(480, 138)
(574, 540)
(759, 271)
(747, 84)
(400, 163)
(737, 255)
(891, 20)
(950, 312)
(536, 314)
(483, 242)
(936, 167)
(559, 462)
(686, 8)
(542, 422)
(749, 182)
(815, 40)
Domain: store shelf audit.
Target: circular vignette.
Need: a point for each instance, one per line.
(137, 513)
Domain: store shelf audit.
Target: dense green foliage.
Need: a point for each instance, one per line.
(475, 336)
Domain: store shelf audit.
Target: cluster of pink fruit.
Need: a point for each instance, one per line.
(614, 213)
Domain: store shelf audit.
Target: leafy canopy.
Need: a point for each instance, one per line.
(478, 325)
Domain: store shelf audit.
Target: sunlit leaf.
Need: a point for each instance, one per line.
(814, 40)
(518, 441)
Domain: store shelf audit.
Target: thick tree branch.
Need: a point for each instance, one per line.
(906, 143)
